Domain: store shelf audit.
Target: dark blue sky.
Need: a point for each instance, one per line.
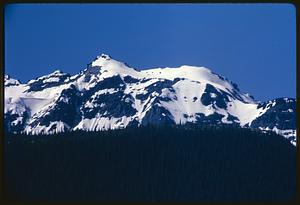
(253, 45)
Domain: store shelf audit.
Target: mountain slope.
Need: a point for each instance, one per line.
(108, 94)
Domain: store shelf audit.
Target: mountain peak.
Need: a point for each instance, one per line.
(101, 60)
(10, 81)
(111, 66)
(57, 72)
(104, 56)
(53, 74)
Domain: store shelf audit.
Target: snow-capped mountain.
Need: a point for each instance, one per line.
(109, 94)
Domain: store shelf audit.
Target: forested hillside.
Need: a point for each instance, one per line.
(166, 163)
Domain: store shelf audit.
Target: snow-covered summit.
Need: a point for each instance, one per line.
(109, 94)
(100, 60)
(53, 76)
(57, 72)
(197, 74)
(109, 67)
(8, 81)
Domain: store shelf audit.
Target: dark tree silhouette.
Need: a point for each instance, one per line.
(151, 163)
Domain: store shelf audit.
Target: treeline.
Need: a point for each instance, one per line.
(153, 163)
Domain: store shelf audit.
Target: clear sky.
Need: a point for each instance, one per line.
(253, 45)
